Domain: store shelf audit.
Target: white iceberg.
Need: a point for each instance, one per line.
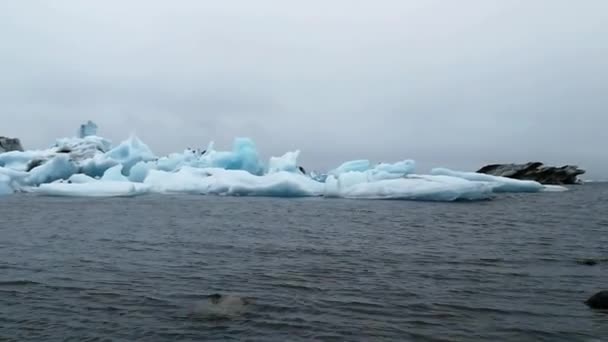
(216, 181)
(90, 165)
(93, 189)
(288, 162)
(5, 185)
(415, 187)
(499, 184)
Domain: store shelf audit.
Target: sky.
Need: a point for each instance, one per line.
(448, 83)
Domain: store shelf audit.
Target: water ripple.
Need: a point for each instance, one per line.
(514, 269)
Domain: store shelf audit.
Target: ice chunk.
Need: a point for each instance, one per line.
(88, 129)
(97, 166)
(130, 152)
(378, 172)
(80, 178)
(288, 162)
(554, 188)
(5, 185)
(499, 184)
(233, 182)
(16, 177)
(139, 171)
(332, 188)
(81, 148)
(18, 160)
(385, 170)
(348, 179)
(353, 165)
(114, 174)
(427, 188)
(244, 156)
(59, 167)
(174, 161)
(382, 171)
(93, 189)
(317, 176)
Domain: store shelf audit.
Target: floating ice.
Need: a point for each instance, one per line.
(345, 179)
(80, 148)
(140, 171)
(80, 178)
(427, 188)
(361, 165)
(499, 184)
(244, 156)
(89, 165)
(93, 189)
(288, 162)
(216, 181)
(130, 152)
(5, 185)
(59, 167)
(18, 160)
(554, 188)
(114, 174)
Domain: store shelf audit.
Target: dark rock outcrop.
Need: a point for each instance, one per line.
(536, 171)
(10, 144)
(598, 301)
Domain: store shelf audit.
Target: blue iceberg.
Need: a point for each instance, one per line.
(90, 165)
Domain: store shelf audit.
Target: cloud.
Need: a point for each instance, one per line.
(452, 84)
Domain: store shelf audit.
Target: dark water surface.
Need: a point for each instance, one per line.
(314, 269)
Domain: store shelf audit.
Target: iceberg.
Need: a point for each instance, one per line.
(140, 171)
(5, 185)
(498, 183)
(59, 167)
(423, 189)
(79, 178)
(554, 188)
(130, 152)
(244, 156)
(356, 185)
(288, 162)
(92, 189)
(91, 166)
(217, 181)
(114, 174)
(360, 165)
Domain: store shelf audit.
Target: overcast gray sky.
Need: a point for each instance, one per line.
(448, 83)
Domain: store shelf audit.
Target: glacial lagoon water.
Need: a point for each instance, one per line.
(308, 269)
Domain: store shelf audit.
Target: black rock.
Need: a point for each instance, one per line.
(536, 171)
(598, 300)
(10, 144)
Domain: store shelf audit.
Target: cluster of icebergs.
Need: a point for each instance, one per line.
(90, 166)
